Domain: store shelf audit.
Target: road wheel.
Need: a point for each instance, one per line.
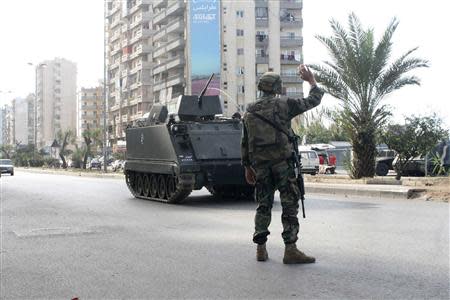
(171, 186)
(153, 186)
(382, 169)
(146, 185)
(162, 187)
(140, 184)
(131, 181)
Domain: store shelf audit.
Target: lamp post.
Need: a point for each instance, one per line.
(38, 66)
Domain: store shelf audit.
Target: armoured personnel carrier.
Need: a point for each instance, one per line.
(168, 156)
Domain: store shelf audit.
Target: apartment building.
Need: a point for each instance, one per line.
(56, 99)
(90, 109)
(129, 58)
(7, 126)
(170, 56)
(258, 36)
(20, 125)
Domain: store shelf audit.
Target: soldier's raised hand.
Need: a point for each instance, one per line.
(306, 74)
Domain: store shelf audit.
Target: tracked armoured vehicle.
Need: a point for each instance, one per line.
(169, 156)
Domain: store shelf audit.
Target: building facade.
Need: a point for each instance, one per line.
(7, 125)
(258, 36)
(90, 109)
(149, 52)
(129, 69)
(22, 128)
(56, 107)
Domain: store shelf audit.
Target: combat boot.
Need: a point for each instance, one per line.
(294, 256)
(261, 253)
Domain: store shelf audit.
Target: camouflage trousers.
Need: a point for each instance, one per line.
(280, 177)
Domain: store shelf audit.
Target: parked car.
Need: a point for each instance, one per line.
(6, 166)
(310, 161)
(95, 164)
(384, 161)
(327, 161)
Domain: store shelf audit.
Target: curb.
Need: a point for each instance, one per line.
(363, 190)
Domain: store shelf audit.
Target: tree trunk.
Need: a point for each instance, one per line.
(364, 154)
(64, 164)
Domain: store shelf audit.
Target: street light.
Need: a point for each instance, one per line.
(38, 66)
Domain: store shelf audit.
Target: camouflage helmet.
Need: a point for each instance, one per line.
(270, 82)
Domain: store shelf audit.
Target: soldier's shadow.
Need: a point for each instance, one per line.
(210, 201)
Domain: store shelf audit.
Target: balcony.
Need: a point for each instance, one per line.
(289, 59)
(142, 16)
(261, 3)
(262, 40)
(124, 73)
(115, 107)
(144, 2)
(262, 22)
(174, 26)
(125, 57)
(291, 78)
(262, 59)
(114, 65)
(139, 50)
(124, 43)
(134, 101)
(159, 3)
(135, 85)
(176, 9)
(169, 46)
(291, 4)
(170, 63)
(291, 22)
(294, 94)
(89, 107)
(286, 41)
(168, 82)
(142, 33)
(115, 36)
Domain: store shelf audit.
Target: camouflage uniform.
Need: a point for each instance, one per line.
(269, 152)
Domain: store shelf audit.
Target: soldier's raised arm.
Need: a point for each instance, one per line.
(298, 106)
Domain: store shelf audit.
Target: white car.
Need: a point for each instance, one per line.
(310, 160)
(6, 166)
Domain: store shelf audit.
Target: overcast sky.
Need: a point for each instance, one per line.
(33, 31)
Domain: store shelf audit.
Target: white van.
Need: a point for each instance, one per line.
(310, 160)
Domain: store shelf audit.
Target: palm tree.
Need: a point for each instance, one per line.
(65, 138)
(360, 76)
(90, 136)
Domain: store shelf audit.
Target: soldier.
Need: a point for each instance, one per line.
(267, 158)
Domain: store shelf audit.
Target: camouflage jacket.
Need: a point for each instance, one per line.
(262, 144)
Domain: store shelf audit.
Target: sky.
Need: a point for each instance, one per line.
(33, 31)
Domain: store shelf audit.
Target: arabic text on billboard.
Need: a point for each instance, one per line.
(205, 45)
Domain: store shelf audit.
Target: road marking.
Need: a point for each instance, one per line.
(49, 232)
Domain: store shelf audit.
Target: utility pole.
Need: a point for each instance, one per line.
(105, 77)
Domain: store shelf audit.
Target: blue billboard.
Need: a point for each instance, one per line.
(205, 45)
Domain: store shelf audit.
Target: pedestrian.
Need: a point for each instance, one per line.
(267, 158)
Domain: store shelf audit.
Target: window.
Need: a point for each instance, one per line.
(240, 71)
(240, 13)
(241, 89)
(240, 51)
(240, 32)
(261, 13)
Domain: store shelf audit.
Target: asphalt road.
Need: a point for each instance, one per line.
(67, 236)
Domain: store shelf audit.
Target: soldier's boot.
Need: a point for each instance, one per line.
(294, 256)
(261, 253)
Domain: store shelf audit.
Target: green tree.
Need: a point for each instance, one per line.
(7, 151)
(65, 138)
(91, 137)
(417, 137)
(360, 76)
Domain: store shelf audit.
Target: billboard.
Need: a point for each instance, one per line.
(205, 45)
